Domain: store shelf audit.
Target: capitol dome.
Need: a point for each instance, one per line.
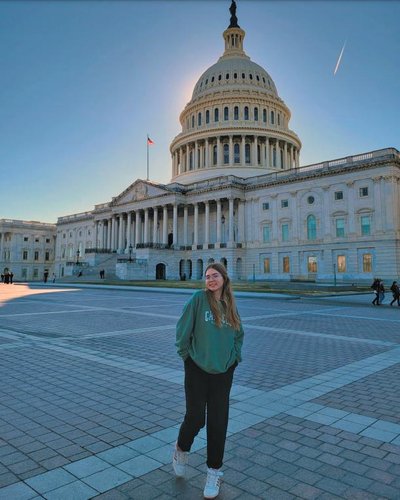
(235, 122)
(234, 73)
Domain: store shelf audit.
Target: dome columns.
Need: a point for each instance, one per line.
(236, 150)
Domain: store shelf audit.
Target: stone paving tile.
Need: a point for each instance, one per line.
(105, 400)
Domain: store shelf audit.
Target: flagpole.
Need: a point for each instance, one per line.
(147, 144)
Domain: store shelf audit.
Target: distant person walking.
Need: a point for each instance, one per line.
(209, 337)
(375, 287)
(396, 293)
(381, 292)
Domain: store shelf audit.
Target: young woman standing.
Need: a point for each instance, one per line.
(209, 337)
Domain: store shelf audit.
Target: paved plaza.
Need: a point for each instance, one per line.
(91, 397)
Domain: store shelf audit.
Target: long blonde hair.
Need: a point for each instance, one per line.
(231, 314)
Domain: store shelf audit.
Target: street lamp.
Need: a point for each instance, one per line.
(130, 253)
(77, 256)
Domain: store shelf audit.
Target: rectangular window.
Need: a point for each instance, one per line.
(35, 273)
(266, 234)
(47, 256)
(36, 240)
(25, 255)
(367, 263)
(267, 265)
(339, 228)
(365, 225)
(312, 264)
(26, 238)
(338, 195)
(284, 203)
(265, 206)
(285, 232)
(341, 263)
(47, 240)
(24, 273)
(363, 192)
(36, 255)
(286, 264)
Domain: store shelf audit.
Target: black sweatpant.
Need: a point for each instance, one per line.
(206, 391)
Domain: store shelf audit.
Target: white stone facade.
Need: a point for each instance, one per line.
(27, 249)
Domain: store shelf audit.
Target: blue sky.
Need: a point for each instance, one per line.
(83, 82)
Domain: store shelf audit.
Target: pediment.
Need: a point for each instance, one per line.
(139, 190)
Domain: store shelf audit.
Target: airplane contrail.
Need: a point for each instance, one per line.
(339, 59)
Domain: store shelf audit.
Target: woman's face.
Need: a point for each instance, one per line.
(214, 281)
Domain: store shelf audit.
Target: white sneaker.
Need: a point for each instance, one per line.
(179, 462)
(213, 482)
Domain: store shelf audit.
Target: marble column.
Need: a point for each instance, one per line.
(255, 155)
(113, 221)
(137, 227)
(155, 225)
(195, 156)
(231, 222)
(175, 225)
(206, 224)
(146, 226)
(109, 232)
(185, 225)
(218, 222)
(165, 225)
(128, 230)
(241, 208)
(196, 225)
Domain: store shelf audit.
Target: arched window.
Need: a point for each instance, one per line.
(226, 113)
(264, 115)
(247, 153)
(274, 157)
(272, 118)
(311, 227)
(236, 153)
(246, 112)
(192, 121)
(258, 154)
(214, 155)
(226, 154)
(256, 114)
(236, 113)
(199, 120)
(207, 116)
(216, 115)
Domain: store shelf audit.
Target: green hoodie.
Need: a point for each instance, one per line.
(212, 348)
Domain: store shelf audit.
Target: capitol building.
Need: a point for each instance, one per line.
(238, 195)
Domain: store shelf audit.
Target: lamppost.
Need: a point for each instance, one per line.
(77, 256)
(130, 253)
